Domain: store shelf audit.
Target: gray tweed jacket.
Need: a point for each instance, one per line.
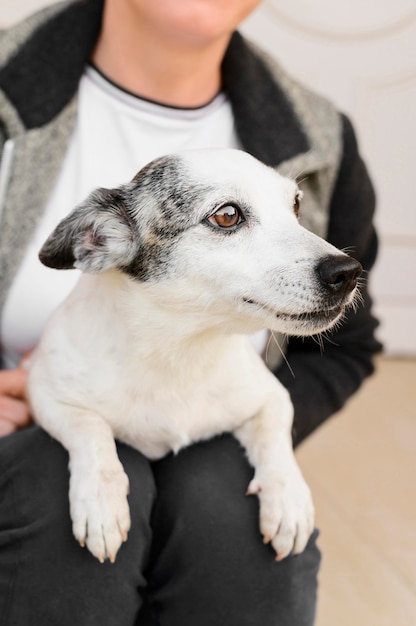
(277, 120)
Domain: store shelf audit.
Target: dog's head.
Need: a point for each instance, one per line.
(214, 232)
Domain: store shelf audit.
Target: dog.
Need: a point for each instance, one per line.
(179, 266)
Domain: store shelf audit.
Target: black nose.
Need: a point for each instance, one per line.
(339, 274)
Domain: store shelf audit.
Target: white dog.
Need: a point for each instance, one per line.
(199, 250)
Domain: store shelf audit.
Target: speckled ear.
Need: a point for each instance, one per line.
(97, 235)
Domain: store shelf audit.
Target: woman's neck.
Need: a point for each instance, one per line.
(160, 66)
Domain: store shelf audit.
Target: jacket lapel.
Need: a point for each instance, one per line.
(35, 163)
(49, 64)
(265, 121)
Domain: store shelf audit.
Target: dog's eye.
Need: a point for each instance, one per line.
(296, 204)
(227, 216)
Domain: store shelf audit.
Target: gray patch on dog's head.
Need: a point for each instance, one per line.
(163, 198)
(132, 228)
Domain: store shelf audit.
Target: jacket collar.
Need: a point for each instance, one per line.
(265, 120)
(50, 63)
(48, 66)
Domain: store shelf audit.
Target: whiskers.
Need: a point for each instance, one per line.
(358, 299)
(325, 337)
(296, 176)
(282, 352)
(348, 250)
(356, 302)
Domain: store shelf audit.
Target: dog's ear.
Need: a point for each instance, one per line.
(97, 235)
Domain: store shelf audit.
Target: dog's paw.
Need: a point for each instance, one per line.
(99, 509)
(287, 513)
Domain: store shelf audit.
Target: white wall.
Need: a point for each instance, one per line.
(362, 54)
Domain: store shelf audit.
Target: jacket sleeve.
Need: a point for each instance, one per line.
(324, 379)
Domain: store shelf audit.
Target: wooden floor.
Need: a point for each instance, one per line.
(361, 466)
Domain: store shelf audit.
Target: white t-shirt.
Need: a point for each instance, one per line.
(116, 134)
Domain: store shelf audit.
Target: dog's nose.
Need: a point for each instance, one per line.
(339, 274)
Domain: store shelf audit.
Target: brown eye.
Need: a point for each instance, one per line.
(296, 204)
(227, 216)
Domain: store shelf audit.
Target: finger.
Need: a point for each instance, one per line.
(13, 382)
(14, 411)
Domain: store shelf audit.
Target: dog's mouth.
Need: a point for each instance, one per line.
(316, 318)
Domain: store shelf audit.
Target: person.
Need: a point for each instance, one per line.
(91, 90)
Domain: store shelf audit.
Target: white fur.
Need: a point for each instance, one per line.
(166, 361)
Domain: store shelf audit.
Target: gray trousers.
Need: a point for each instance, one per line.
(194, 555)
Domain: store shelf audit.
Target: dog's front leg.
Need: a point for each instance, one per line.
(98, 485)
(286, 508)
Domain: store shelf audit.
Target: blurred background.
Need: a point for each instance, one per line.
(362, 464)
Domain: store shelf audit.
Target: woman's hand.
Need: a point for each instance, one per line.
(14, 408)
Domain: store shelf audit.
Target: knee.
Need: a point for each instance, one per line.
(201, 493)
(35, 467)
(34, 481)
(207, 545)
(39, 556)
